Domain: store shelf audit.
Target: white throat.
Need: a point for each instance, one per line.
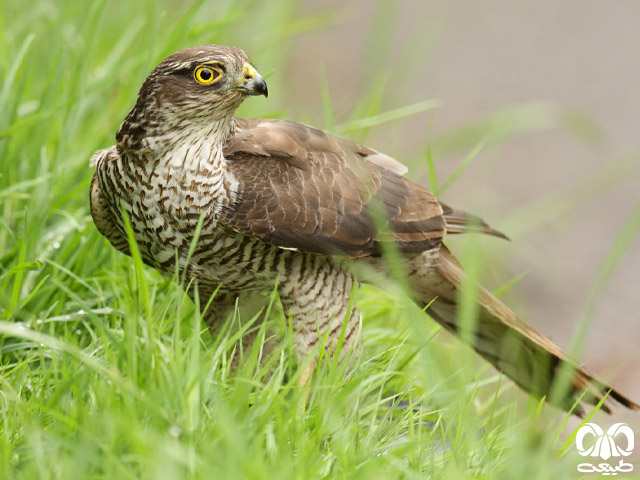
(195, 147)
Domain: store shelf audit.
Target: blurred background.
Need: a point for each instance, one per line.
(553, 89)
(527, 112)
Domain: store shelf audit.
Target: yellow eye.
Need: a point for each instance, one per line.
(207, 75)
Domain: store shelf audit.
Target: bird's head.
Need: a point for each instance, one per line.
(197, 86)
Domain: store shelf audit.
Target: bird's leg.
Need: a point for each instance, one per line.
(251, 306)
(216, 312)
(304, 383)
(323, 313)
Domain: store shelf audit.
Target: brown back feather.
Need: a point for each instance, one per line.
(302, 188)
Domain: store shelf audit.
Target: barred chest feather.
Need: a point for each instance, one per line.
(165, 197)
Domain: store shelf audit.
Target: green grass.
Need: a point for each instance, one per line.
(108, 371)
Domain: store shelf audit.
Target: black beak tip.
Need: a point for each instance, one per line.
(256, 86)
(260, 87)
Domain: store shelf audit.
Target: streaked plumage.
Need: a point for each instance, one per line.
(284, 202)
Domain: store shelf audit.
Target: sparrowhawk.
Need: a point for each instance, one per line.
(283, 203)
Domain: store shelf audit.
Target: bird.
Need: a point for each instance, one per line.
(239, 205)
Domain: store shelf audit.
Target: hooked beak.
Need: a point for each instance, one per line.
(254, 84)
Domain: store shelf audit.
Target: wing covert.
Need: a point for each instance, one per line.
(301, 188)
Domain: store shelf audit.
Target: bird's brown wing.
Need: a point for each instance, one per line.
(301, 188)
(462, 222)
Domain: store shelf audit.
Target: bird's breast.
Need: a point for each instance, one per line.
(170, 202)
(167, 202)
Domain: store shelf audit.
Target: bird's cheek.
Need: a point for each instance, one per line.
(233, 92)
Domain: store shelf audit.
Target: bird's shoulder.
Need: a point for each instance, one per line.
(297, 144)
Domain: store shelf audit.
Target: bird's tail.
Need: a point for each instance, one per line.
(520, 352)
